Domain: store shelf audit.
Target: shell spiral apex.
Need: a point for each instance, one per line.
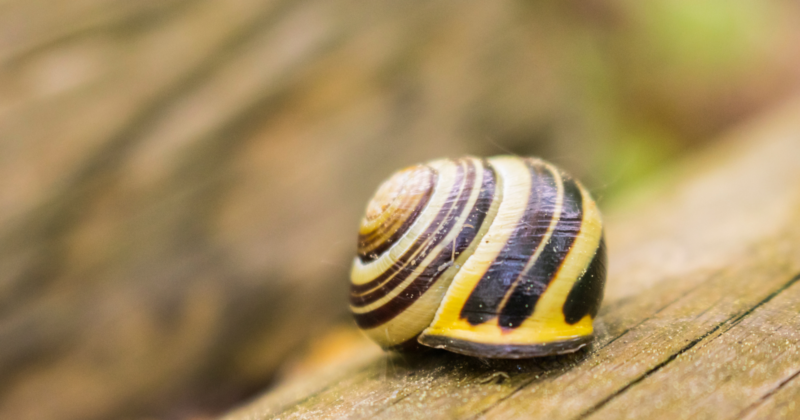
(501, 257)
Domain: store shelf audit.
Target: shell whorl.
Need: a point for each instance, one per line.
(498, 257)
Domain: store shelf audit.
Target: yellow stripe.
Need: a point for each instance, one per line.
(550, 229)
(362, 273)
(372, 225)
(514, 180)
(434, 253)
(378, 237)
(547, 323)
(549, 314)
(419, 315)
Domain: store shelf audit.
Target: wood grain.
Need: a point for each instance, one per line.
(712, 334)
(167, 167)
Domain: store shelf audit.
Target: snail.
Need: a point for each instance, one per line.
(501, 257)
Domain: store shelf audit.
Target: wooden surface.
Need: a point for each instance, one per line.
(167, 167)
(701, 318)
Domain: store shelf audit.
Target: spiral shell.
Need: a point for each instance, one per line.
(500, 257)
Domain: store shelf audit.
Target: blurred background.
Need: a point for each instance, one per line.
(181, 180)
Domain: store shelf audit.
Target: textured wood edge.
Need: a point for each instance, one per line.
(704, 278)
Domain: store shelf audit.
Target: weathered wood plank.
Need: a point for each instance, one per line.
(124, 81)
(445, 386)
(728, 371)
(701, 312)
(154, 156)
(649, 347)
(779, 403)
(451, 385)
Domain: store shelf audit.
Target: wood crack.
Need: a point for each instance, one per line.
(730, 321)
(768, 395)
(617, 337)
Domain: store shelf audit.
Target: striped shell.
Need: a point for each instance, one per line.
(501, 257)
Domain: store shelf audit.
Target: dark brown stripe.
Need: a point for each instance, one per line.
(587, 293)
(367, 254)
(534, 282)
(476, 218)
(402, 263)
(484, 301)
(440, 228)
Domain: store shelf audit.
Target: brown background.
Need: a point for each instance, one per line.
(181, 179)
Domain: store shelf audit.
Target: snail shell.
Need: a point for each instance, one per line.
(501, 257)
